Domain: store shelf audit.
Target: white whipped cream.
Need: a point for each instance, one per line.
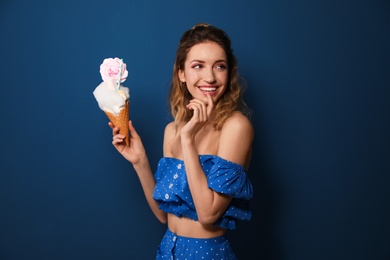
(109, 99)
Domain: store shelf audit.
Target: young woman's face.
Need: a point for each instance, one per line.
(205, 71)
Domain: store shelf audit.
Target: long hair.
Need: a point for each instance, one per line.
(232, 98)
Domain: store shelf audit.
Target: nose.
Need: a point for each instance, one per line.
(209, 76)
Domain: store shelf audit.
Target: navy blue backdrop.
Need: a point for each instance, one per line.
(318, 76)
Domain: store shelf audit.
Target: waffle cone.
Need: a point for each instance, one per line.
(121, 121)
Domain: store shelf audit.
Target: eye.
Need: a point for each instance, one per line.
(197, 66)
(221, 67)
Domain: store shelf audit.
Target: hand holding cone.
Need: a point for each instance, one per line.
(121, 121)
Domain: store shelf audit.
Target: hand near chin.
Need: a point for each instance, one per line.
(132, 152)
(201, 115)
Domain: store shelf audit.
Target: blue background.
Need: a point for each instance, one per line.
(318, 83)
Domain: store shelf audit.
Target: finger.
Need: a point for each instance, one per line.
(196, 109)
(203, 111)
(210, 103)
(119, 138)
(202, 106)
(133, 132)
(115, 130)
(196, 101)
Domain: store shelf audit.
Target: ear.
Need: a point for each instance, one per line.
(181, 76)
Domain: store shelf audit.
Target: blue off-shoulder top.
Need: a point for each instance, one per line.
(173, 194)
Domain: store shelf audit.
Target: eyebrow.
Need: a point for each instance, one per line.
(201, 61)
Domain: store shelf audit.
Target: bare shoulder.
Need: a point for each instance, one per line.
(236, 139)
(169, 136)
(169, 129)
(238, 122)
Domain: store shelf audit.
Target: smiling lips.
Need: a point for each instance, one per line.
(209, 89)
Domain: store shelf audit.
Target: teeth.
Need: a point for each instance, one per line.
(208, 89)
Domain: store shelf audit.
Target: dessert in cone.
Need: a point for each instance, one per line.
(121, 121)
(112, 96)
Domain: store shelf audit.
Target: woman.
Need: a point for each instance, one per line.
(200, 188)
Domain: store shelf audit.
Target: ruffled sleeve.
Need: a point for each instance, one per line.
(229, 178)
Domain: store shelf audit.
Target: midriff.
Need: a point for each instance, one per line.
(190, 228)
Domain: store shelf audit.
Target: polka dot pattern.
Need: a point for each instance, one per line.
(173, 194)
(177, 247)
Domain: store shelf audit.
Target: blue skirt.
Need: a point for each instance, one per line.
(174, 247)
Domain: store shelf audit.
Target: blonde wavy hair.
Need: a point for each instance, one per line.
(231, 100)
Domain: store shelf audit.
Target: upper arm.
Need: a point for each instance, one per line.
(169, 134)
(236, 140)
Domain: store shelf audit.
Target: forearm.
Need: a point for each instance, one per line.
(146, 178)
(204, 198)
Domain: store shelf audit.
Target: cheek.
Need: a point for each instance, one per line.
(223, 77)
(192, 76)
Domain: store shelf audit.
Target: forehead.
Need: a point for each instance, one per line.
(206, 51)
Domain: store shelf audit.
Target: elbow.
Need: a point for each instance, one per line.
(207, 219)
(208, 214)
(163, 221)
(162, 218)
